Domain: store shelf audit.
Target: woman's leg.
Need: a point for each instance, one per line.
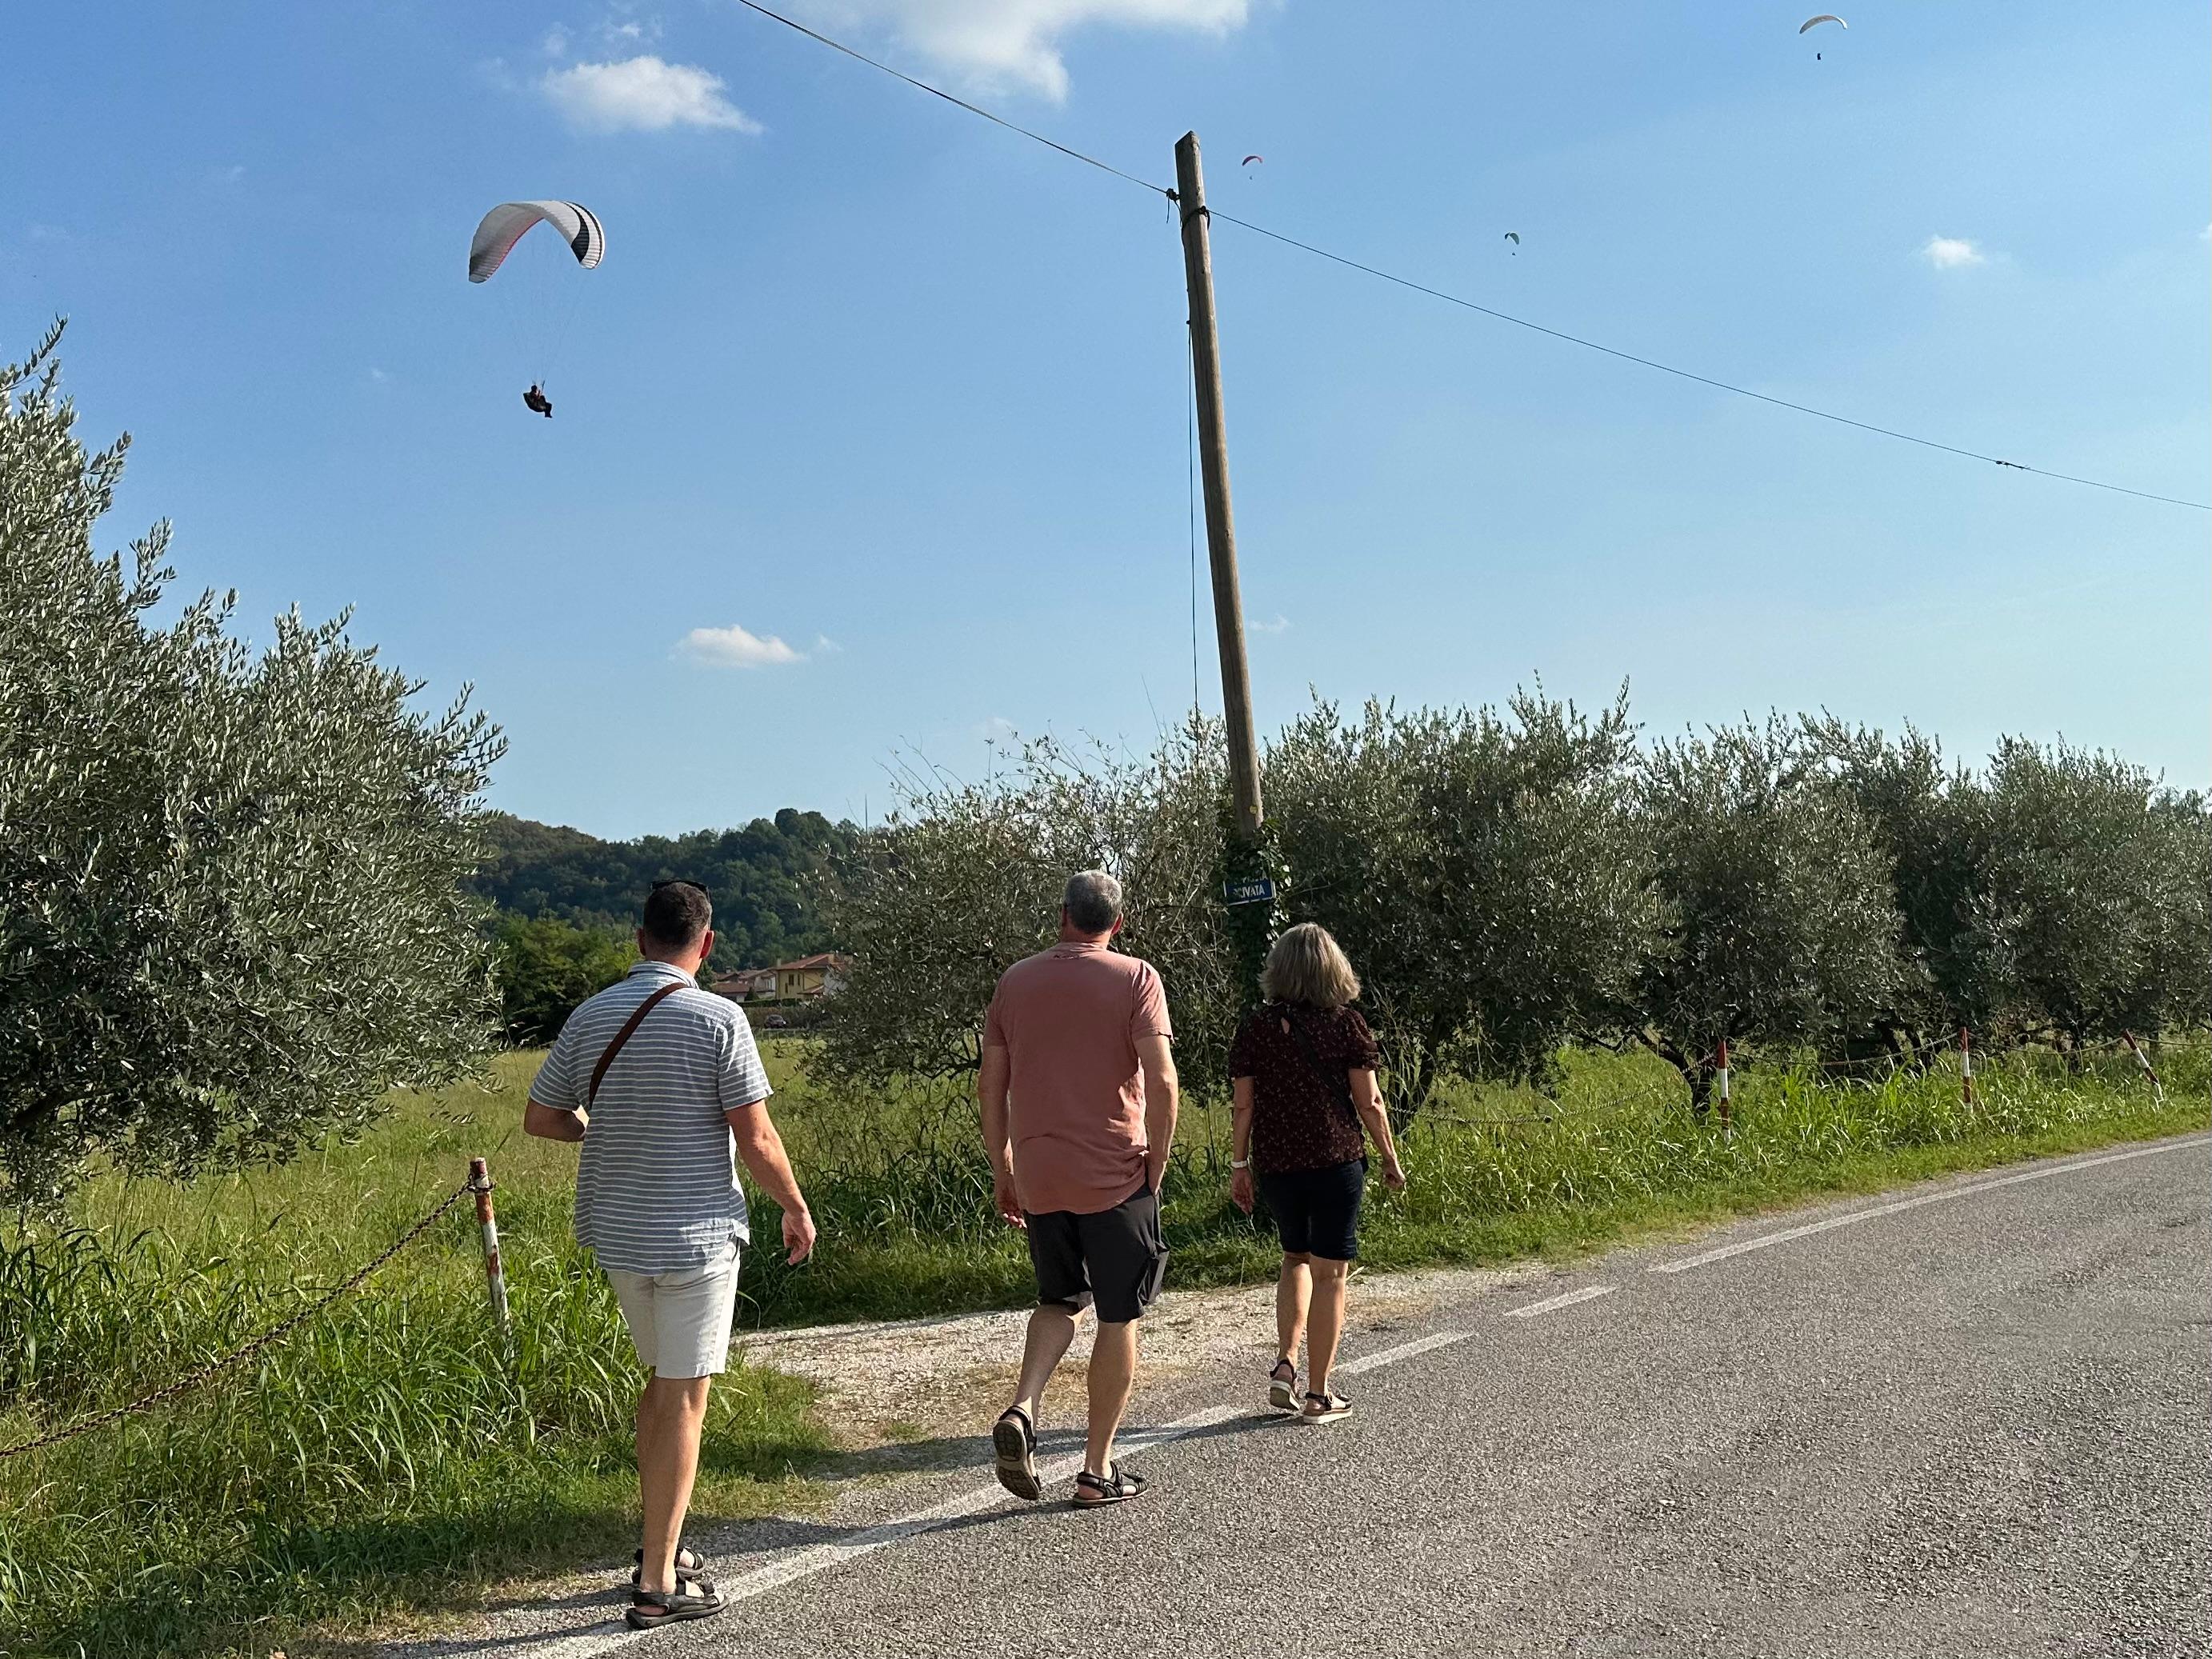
(1326, 1328)
(1294, 1290)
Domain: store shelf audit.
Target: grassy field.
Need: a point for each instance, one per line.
(376, 1463)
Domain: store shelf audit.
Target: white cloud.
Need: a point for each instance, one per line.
(1953, 253)
(1280, 625)
(736, 647)
(555, 42)
(380, 377)
(1017, 43)
(642, 94)
(824, 646)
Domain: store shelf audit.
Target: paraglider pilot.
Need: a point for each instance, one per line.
(537, 403)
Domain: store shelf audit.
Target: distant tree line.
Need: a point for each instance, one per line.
(1511, 883)
(567, 902)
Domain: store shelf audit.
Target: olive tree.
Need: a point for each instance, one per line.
(1481, 870)
(1931, 821)
(234, 913)
(2090, 891)
(1779, 924)
(964, 879)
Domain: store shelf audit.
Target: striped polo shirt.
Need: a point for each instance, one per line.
(657, 1186)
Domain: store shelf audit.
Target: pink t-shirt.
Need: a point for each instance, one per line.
(1069, 1019)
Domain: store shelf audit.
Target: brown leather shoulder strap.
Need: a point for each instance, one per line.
(629, 1028)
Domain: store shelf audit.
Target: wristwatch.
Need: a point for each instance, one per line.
(1240, 1162)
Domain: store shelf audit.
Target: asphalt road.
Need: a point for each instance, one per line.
(1970, 1418)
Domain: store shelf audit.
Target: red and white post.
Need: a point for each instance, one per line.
(1721, 1086)
(1966, 1069)
(495, 1273)
(2157, 1089)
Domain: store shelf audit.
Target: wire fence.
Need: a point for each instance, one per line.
(200, 1376)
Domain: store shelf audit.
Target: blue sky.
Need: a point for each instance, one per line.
(866, 376)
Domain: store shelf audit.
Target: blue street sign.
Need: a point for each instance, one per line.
(1260, 890)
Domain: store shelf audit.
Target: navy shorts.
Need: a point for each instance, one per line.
(1114, 1258)
(1317, 1211)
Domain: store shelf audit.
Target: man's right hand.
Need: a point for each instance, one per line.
(1007, 1199)
(798, 1236)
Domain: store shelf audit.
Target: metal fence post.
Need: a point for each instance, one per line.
(495, 1273)
(1966, 1070)
(2157, 1089)
(1727, 1109)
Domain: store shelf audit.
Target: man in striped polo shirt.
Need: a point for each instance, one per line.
(659, 1079)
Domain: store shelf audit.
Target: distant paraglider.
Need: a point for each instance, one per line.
(1514, 237)
(497, 233)
(1814, 22)
(1248, 162)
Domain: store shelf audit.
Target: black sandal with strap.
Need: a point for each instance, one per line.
(1282, 1391)
(1014, 1449)
(692, 1598)
(687, 1562)
(1117, 1485)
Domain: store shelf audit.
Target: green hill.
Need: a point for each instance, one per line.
(765, 878)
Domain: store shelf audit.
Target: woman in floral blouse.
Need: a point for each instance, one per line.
(1303, 1067)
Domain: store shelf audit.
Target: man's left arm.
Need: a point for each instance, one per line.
(1162, 1090)
(992, 1076)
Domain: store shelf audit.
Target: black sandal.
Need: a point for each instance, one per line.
(1014, 1449)
(692, 1598)
(687, 1561)
(1282, 1391)
(1117, 1485)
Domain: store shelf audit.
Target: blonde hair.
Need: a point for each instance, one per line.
(1306, 965)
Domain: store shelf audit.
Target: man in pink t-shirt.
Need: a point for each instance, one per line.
(1078, 1093)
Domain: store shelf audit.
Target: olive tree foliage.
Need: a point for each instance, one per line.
(2093, 886)
(964, 880)
(1931, 821)
(234, 914)
(2183, 957)
(1779, 924)
(1481, 870)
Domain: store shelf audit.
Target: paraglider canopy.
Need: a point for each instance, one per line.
(502, 228)
(1514, 237)
(1825, 17)
(1248, 159)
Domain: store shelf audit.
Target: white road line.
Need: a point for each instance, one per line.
(1588, 1293)
(1376, 1361)
(1789, 1234)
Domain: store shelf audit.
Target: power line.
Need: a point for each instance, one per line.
(1221, 217)
(961, 103)
(1454, 299)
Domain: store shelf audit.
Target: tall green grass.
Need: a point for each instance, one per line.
(392, 1455)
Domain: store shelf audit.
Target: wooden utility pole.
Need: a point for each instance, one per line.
(1214, 468)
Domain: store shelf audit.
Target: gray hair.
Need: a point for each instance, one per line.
(1092, 901)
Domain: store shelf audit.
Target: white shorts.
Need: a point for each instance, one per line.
(681, 1321)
